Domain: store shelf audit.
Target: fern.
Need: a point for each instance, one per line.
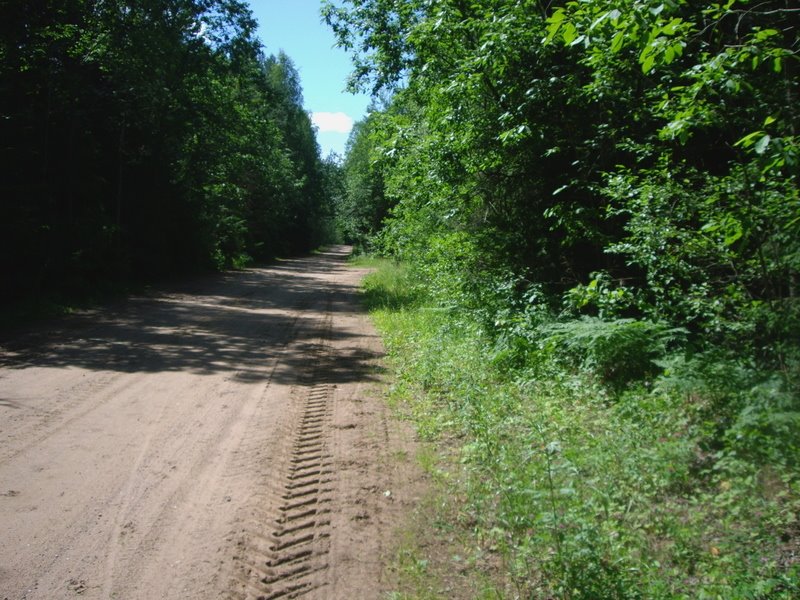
(619, 351)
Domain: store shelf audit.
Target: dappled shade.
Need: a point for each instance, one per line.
(236, 323)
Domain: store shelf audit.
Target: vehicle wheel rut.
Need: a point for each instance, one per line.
(286, 554)
(301, 533)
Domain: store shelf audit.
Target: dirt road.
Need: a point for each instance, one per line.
(222, 440)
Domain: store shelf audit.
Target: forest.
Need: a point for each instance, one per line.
(590, 220)
(146, 139)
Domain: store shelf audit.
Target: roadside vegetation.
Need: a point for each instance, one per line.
(591, 223)
(569, 486)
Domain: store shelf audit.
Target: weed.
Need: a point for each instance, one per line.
(389, 286)
(686, 485)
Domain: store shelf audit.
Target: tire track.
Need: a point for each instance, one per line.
(284, 551)
(301, 532)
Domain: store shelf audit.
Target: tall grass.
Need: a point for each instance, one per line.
(587, 489)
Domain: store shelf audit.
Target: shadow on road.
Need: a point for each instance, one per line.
(232, 323)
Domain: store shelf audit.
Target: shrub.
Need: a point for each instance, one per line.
(618, 351)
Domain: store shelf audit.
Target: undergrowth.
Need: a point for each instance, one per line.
(594, 460)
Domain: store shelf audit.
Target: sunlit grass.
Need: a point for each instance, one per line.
(566, 489)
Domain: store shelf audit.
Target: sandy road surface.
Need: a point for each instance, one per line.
(222, 440)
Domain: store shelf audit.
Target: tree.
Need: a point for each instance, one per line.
(653, 142)
(144, 139)
(363, 207)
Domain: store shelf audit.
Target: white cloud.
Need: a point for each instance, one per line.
(337, 121)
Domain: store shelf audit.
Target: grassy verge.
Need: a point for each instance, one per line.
(553, 485)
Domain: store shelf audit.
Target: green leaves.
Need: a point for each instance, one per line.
(569, 33)
(555, 21)
(632, 168)
(730, 227)
(617, 41)
(758, 140)
(761, 145)
(647, 58)
(659, 48)
(172, 142)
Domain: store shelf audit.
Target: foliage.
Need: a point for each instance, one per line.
(618, 351)
(143, 139)
(600, 196)
(650, 142)
(681, 488)
(363, 205)
(389, 287)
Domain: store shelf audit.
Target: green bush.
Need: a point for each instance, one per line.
(618, 352)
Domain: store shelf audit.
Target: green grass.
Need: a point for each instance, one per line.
(389, 287)
(559, 486)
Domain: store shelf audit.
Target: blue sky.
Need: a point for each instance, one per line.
(295, 26)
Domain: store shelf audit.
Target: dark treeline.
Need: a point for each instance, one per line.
(146, 138)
